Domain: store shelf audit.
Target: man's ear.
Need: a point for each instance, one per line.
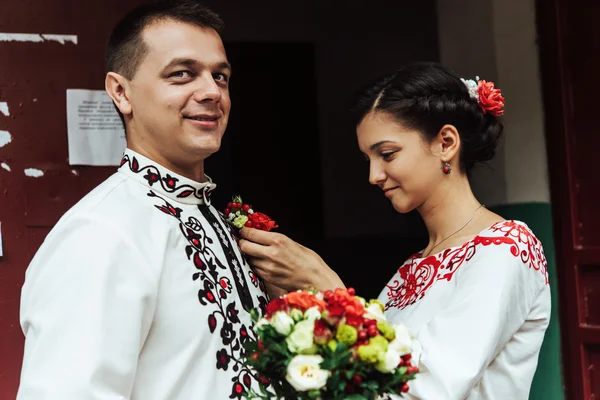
(117, 87)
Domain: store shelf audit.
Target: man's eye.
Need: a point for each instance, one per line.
(180, 74)
(221, 77)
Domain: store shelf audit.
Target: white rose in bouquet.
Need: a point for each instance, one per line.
(403, 341)
(260, 323)
(375, 311)
(304, 373)
(301, 339)
(296, 314)
(282, 323)
(312, 314)
(390, 362)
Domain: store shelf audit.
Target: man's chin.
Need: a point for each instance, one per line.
(204, 142)
(204, 150)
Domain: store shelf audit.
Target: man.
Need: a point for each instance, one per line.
(140, 291)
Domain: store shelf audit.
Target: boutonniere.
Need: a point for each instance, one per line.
(241, 214)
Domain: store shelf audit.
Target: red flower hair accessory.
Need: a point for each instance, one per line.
(489, 99)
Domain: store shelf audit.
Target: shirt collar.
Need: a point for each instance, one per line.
(165, 181)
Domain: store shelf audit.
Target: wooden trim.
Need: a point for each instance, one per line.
(555, 92)
(589, 335)
(589, 256)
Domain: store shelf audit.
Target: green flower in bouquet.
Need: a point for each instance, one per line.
(371, 353)
(346, 334)
(387, 330)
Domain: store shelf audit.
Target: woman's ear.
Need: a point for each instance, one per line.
(448, 143)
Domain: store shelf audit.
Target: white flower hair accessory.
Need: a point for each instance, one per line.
(472, 87)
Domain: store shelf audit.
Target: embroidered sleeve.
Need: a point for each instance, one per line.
(494, 295)
(86, 309)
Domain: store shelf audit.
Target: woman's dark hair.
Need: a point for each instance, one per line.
(427, 96)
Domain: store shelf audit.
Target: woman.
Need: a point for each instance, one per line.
(477, 297)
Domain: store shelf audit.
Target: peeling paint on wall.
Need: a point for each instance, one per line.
(4, 108)
(34, 37)
(34, 172)
(5, 138)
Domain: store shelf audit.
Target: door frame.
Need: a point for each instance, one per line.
(558, 114)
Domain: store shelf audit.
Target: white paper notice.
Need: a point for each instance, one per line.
(95, 132)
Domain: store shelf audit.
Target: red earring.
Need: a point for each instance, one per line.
(446, 168)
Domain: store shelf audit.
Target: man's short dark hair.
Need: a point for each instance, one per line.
(126, 47)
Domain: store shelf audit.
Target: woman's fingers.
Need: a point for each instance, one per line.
(253, 249)
(259, 236)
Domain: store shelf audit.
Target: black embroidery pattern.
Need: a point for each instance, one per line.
(168, 183)
(254, 279)
(215, 290)
(234, 261)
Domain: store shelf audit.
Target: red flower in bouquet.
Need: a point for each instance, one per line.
(304, 300)
(278, 304)
(344, 303)
(322, 332)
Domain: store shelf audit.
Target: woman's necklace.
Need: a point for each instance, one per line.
(461, 228)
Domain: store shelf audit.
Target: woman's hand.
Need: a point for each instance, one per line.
(286, 264)
(273, 291)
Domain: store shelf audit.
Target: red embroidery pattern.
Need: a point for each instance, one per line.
(167, 183)
(418, 275)
(417, 278)
(533, 255)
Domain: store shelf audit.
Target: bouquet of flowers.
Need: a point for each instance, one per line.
(329, 346)
(240, 215)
